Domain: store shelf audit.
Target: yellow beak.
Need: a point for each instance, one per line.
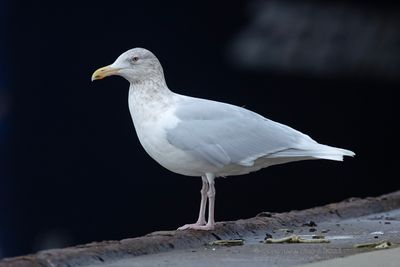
(104, 72)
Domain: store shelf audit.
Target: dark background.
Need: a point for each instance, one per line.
(72, 168)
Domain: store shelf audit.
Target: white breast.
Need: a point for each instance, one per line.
(151, 117)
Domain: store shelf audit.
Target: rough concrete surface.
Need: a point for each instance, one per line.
(344, 224)
(384, 258)
(342, 234)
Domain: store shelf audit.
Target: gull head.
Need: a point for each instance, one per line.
(135, 65)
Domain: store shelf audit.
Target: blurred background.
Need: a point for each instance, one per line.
(71, 167)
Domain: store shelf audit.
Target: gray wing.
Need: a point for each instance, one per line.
(223, 134)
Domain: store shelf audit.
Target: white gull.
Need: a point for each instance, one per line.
(204, 138)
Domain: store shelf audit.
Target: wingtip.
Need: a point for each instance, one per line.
(349, 153)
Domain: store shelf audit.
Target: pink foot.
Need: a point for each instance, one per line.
(198, 226)
(189, 226)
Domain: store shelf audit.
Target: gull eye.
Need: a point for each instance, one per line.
(135, 59)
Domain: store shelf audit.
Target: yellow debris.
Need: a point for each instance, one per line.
(296, 239)
(378, 245)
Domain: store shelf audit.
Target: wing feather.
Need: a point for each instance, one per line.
(223, 134)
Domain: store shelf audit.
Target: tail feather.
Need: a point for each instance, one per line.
(315, 151)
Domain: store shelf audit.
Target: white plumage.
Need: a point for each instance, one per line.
(198, 137)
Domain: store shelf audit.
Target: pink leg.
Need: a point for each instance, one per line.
(203, 203)
(211, 202)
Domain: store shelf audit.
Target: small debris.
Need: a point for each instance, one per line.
(387, 222)
(296, 239)
(227, 243)
(267, 235)
(377, 245)
(310, 224)
(286, 230)
(312, 230)
(324, 231)
(377, 233)
(384, 245)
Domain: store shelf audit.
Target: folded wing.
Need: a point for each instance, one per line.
(223, 134)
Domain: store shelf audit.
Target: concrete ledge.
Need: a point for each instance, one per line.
(162, 241)
(386, 258)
